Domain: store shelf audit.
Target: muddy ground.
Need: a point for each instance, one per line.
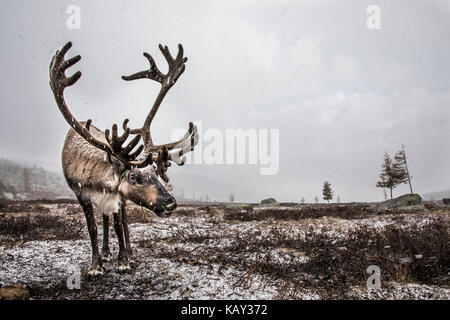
(246, 252)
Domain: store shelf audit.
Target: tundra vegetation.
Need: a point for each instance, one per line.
(309, 251)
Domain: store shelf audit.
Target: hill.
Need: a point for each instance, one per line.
(21, 181)
(438, 195)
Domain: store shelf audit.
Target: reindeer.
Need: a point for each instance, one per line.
(105, 170)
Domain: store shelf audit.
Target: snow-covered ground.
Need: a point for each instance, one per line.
(199, 256)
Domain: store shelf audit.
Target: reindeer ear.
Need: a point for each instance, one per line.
(118, 165)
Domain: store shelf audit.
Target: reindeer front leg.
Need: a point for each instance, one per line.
(126, 233)
(96, 267)
(123, 256)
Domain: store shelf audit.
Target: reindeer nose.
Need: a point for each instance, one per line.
(170, 205)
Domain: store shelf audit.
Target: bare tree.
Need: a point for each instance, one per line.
(316, 199)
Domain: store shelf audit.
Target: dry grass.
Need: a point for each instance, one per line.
(343, 211)
(303, 212)
(23, 207)
(333, 265)
(184, 212)
(136, 214)
(325, 259)
(38, 227)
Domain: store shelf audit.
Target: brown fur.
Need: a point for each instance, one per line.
(86, 165)
(102, 171)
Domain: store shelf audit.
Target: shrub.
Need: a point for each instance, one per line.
(39, 227)
(305, 212)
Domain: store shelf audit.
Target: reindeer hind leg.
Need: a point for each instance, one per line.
(105, 246)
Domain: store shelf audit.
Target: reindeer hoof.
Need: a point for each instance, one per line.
(105, 257)
(95, 272)
(123, 268)
(132, 263)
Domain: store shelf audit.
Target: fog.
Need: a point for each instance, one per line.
(339, 94)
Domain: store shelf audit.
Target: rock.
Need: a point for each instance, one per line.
(14, 292)
(446, 201)
(404, 200)
(269, 202)
(205, 208)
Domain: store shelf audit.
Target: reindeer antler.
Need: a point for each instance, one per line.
(113, 146)
(190, 139)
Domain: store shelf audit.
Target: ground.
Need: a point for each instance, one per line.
(217, 252)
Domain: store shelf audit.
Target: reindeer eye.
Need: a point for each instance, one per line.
(135, 179)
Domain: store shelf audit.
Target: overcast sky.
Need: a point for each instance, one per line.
(339, 93)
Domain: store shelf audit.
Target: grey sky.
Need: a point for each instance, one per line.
(340, 94)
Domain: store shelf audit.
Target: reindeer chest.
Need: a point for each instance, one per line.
(106, 203)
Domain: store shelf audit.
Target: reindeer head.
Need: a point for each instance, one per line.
(146, 188)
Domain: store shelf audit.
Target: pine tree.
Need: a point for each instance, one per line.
(398, 169)
(327, 192)
(231, 197)
(401, 168)
(391, 174)
(338, 199)
(302, 201)
(386, 180)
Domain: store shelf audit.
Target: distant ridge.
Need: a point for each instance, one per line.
(43, 184)
(438, 195)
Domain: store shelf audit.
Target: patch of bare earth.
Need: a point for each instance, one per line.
(311, 252)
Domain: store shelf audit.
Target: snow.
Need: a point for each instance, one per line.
(409, 291)
(44, 266)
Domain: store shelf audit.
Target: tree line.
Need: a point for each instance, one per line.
(394, 171)
(327, 194)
